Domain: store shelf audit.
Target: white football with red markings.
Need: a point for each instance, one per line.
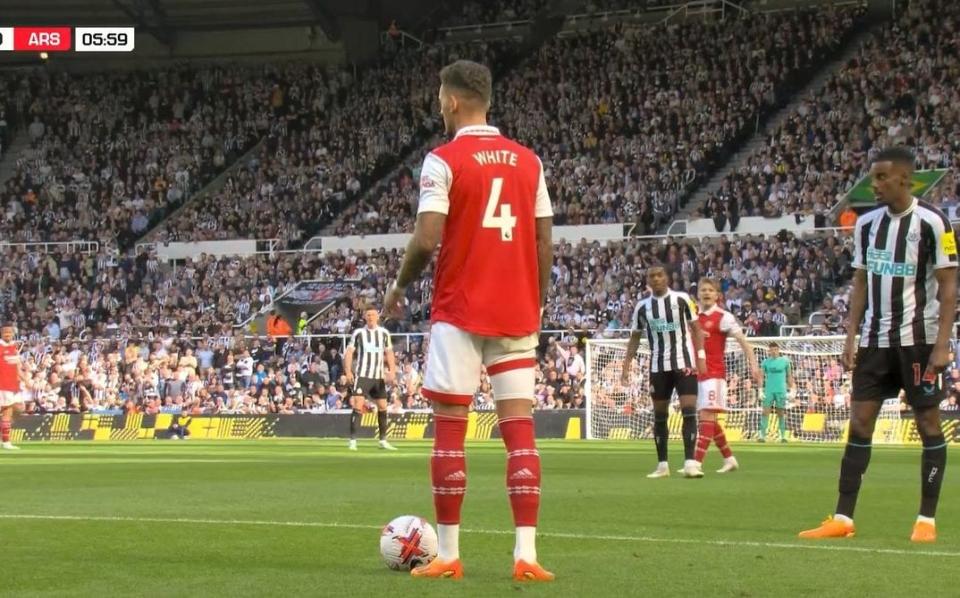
(407, 542)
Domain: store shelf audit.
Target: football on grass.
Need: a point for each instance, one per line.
(407, 542)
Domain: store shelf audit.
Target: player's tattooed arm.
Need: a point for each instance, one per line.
(426, 237)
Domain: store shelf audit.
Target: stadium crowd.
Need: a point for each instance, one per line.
(318, 155)
(107, 329)
(111, 154)
(636, 117)
(497, 11)
(155, 310)
(901, 88)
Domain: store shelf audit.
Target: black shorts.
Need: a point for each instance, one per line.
(880, 374)
(370, 388)
(664, 383)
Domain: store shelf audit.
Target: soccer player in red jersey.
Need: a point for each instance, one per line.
(716, 325)
(10, 375)
(485, 197)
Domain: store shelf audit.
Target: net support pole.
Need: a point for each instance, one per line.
(588, 394)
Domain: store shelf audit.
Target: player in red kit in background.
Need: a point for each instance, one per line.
(10, 375)
(717, 325)
(485, 197)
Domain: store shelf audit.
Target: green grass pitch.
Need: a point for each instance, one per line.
(302, 517)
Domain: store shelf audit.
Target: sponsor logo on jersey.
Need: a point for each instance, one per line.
(949, 243)
(880, 261)
(661, 325)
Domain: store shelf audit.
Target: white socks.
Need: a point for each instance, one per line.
(449, 543)
(448, 537)
(922, 519)
(843, 518)
(526, 547)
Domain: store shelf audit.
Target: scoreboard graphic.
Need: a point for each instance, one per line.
(67, 39)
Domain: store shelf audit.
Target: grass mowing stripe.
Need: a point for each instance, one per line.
(558, 535)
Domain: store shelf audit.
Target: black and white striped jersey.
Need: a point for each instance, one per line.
(667, 322)
(370, 346)
(900, 253)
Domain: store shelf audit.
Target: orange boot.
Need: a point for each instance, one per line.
(830, 528)
(437, 568)
(524, 571)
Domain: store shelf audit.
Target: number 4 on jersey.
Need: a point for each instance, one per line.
(505, 220)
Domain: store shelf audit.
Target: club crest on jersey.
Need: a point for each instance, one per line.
(913, 237)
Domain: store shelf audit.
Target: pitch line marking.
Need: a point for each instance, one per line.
(493, 532)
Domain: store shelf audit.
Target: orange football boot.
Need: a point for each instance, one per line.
(524, 571)
(924, 532)
(437, 568)
(830, 528)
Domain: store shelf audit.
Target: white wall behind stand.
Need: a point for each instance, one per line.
(753, 225)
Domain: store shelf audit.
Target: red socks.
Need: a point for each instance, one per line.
(523, 469)
(705, 434)
(721, 439)
(448, 468)
(5, 430)
(711, 431)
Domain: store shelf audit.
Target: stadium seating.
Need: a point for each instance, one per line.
(617, 144)
(636, 118)
(336, 145)
(900, 88)
(112, 154)
(142, 302)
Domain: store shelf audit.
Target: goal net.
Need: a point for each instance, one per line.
(818, 408)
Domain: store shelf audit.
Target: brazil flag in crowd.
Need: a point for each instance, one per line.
(923, 181)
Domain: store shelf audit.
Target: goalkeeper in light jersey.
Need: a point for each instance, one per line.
(717, 325)
(777, 377)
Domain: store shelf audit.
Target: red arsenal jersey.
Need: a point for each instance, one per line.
(716, 324)
(9, 367)
(492, 190)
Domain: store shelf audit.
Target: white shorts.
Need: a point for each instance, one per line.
(456, 356)
(8, 398)
(712, 394)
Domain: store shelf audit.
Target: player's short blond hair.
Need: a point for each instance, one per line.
(710, 281)
(470, 79)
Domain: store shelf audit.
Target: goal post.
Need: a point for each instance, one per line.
(818, 408)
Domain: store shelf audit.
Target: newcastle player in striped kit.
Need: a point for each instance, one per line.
(676, 357)
(902, 303)
(373, 350)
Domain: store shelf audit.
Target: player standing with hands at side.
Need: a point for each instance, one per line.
(376, 367)
(903, 302)
(717, 325)
(676, 357)
(485, 197)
